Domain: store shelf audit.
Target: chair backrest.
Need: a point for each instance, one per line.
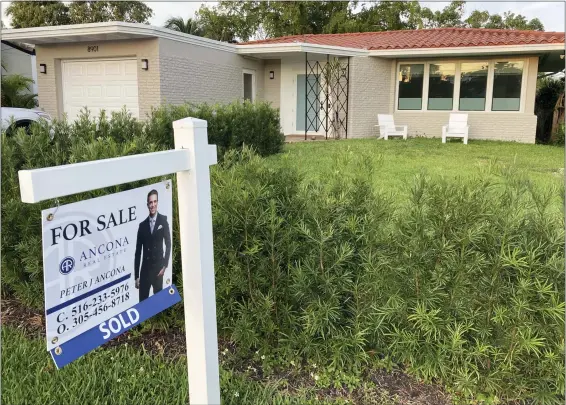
(458, 120)
(385, 119)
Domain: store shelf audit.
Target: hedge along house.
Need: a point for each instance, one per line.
(327, 85)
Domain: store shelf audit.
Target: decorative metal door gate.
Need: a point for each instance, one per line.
(326, 96)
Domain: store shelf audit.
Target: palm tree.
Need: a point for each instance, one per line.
(16, 92)
(192, 26)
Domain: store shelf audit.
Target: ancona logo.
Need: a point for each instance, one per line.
(67, 265)
(103, 248)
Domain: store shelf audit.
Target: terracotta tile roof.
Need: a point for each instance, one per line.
(426, 38)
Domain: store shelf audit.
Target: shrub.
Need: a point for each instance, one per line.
(84, 140)
(557, 137)
(229, 125)
(461, 284)
(548, 92)
(16, 91)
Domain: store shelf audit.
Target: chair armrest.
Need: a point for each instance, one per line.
(404, 127)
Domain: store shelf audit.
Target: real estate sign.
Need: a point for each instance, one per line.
(107, 267)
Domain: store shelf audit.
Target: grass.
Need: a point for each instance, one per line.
(126, 375)
(397, 161)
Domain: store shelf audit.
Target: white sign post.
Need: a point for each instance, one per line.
(190, 160)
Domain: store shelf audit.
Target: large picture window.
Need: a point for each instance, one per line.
(441, 86)
(411, 79)
(473, 86)
(507, 81)
(465, 85)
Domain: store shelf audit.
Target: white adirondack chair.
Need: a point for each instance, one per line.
(388, 128)
(457, 128)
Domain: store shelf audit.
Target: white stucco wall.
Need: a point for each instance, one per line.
(18, 62)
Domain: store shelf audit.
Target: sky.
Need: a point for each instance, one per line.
(552, 14)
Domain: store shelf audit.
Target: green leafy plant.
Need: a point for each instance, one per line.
(460, 283)
(558, 136)
(16, 91)
(229, 125)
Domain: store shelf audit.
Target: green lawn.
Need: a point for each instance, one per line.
(121, 375)
(397, 161)
(125, 375)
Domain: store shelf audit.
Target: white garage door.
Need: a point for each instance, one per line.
(108, 84)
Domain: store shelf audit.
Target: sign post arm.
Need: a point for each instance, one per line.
(197, 257)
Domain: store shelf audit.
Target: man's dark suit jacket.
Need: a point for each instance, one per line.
(152, 245)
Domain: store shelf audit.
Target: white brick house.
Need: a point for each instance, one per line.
(418, 76)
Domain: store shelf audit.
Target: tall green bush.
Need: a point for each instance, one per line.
(558, 137)
(548, 92)
(229, 125)
(91, 138)
(16, 91)
(461, 284)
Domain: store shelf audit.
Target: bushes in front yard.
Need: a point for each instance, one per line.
(461, 284)
(229, 125)
(557, 137)
(90, 138)
(548, 92)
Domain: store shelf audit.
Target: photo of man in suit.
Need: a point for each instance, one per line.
(153, 232)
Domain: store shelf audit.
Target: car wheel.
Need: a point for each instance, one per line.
(25, 124)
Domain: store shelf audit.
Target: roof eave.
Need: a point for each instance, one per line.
(467, 50)
(114, 30)
(301, 47)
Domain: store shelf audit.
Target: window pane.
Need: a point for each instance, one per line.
(473, 86)
(248, 88)
(441, 86)
(507, 86)
(411, 87)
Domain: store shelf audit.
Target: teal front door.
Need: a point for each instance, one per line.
(310, 106)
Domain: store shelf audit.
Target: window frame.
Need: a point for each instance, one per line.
(425, 85)
(523, 83)
(457, 82)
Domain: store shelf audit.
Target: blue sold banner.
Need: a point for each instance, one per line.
(107, 267)
(115, 326)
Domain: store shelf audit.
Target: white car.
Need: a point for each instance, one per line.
(22, 117)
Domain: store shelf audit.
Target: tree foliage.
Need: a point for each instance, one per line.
(100, 11)
(509, 20)
(26, 14)
(549, 90)
(269, 19)
(190, 26)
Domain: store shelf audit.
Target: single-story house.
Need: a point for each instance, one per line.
(19, 59)
(322, 84)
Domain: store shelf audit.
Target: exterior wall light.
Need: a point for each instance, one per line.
(145, 64)
(271, 74)
(42, 68)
